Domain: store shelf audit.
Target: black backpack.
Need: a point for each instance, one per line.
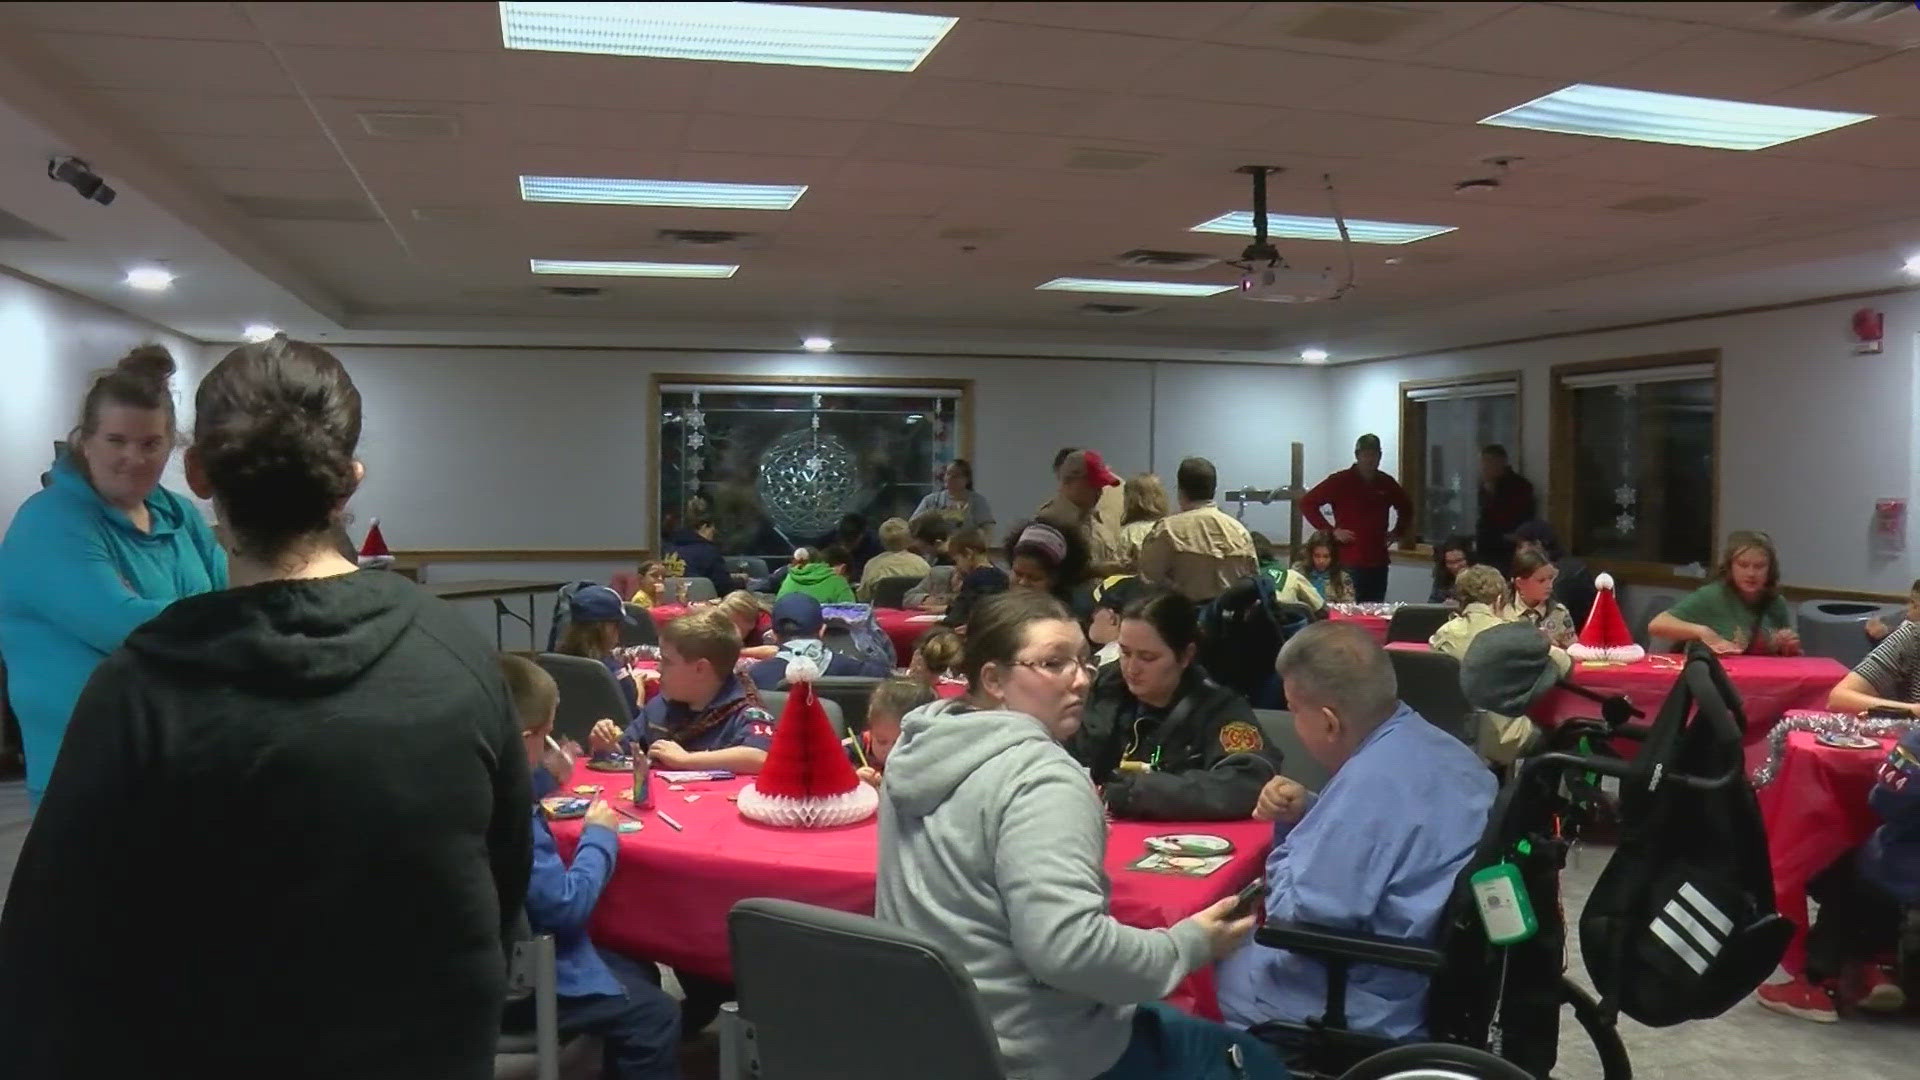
(1681, 924)
(1241, 633)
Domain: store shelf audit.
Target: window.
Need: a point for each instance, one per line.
(1633, 457)
(1444, 424)
(777, 463)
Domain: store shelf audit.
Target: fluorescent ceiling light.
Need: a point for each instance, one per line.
(612, 192)
(1912, 266)
(817, 344)
(589, 268)
(1135, 288)
(1611, 112)
(150, 278)
(259, 332)
(737, 33)
(1314, 356)
(1292, 227)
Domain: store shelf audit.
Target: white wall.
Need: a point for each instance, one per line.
(1810, 434)
(50, 346)
(528, 448)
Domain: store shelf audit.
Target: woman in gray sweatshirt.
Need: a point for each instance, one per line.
(993, 845)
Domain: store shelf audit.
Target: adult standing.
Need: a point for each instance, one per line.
(1082, 477)
(102, 549)
(993, 845)
(285, 779)
(1144, 506)
(1199, 552)
(1506, 503)
(965, 507)
(1360, 497)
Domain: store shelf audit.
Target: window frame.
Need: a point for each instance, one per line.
(1560, 459)
(650, 493)
(1413, 442)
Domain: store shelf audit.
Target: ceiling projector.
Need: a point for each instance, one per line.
(1282, 284)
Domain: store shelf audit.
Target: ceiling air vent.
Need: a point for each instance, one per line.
(13, 228)
(409, 125)
(1658, 204)
(1093, 159)
(1356, 24)
(275, 208)
(1155, 259)
(1110, 311)
(574, 292)
(701, 237)
(1838, 12)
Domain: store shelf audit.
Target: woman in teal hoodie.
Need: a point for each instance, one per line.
(101, 550)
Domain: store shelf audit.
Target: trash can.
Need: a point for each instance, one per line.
(1837, 628)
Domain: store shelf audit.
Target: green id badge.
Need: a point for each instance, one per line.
(1504, 908)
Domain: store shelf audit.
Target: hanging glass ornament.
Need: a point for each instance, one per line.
(807, 480)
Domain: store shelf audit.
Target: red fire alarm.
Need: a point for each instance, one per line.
(1869, 326)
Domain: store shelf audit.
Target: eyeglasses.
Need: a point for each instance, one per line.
(1058, 667)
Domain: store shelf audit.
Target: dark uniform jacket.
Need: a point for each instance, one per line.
(1208, 755)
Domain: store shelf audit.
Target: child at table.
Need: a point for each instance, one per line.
(652, 585)
(599, 992)
(704, 716)
(751, 622)
(594, 617)
(892, 700)
(935, 656)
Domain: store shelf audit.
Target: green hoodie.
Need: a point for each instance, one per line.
(819, 581)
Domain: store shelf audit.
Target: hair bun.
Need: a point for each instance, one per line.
(150, 361)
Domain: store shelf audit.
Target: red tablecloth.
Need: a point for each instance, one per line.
(1815, 810)
(670, 891)
(1372, 624)
(1769, 686)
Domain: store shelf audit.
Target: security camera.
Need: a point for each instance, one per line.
(77, 175)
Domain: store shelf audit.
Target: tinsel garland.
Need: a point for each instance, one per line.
(1825, 723)
(1379, 610)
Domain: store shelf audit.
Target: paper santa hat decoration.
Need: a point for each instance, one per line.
(1605, 636)
(374, 551)
(807, 781)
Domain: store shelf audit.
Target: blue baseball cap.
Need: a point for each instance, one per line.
(597, 603)
(797, 615)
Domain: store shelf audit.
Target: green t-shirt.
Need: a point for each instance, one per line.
(1719, 608)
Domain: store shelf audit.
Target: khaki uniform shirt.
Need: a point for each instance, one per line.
(890, 564)
(1499, 739)
(1199, 553)
(1101, 544)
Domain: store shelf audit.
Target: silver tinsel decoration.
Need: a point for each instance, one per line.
(1825, 723)
(1380, 610)
(807, 480)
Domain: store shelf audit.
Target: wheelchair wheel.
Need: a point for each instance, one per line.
(1435, 1061)
(1607, 1049)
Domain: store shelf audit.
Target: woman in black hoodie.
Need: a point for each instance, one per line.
(288, 829)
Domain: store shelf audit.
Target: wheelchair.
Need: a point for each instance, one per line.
(1492, 1012)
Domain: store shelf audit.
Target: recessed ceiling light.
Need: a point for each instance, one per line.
(612, 192)
(1314, 356)
(259, 331)
(817, 344)
(737, 33)
(1291, 227)
(1912, 265)
(590, 268)
(1134, 288)
(150, 278)
(1611, 112)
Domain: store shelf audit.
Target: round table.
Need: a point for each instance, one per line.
(1371, 623)
(1815, 810)
(671, 889)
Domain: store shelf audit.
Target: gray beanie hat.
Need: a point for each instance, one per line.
(1507, 668)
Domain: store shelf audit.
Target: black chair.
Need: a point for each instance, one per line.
(891, 592)
(851, 693)
(796, 969)
(588, 693)
(1276, 726)
(1430, 684)
(642, 631)
(775, 702)
(1417, 622)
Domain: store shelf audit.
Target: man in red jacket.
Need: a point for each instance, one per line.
(1360, 498)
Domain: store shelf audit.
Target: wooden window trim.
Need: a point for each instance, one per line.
(1560, 457)
(1413, 434)
(963, 415)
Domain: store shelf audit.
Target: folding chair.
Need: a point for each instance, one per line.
(588, 693)
(1430, 683)
(1417, 622)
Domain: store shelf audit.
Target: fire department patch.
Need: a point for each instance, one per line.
(1240, 737)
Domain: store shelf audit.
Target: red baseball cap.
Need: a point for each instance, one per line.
(1088, 462)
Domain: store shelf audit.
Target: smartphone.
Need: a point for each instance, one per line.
(1248, 899)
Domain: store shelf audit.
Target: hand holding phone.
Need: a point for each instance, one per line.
(1247, 900)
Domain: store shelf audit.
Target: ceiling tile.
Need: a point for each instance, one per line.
(1889, 142)
(731, 134)
(180, 113)
(1171, 122)
(1740, 65)
(949, 146)
(1253, 76)
(762, 90)
(1556, 42)
(210, 22)
(1884, 88)
(1043, 56)
(255, 152)
(133, 63)
(392, 25)
(1303, 27)
(562, 125)
(1427, 93)
(992, 106)
(1151, 20)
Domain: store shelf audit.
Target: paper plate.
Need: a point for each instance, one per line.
(1200, 844)
(1846, 741)
(611, 764)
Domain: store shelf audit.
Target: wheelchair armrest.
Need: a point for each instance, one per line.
(1326, 943)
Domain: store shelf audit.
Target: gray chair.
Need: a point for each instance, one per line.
(1276, 726)
(752, 566)
(588, 693)
(536, 1052)
(1643, 613)
(851, 693)
(892, 592)
(642, 632)
(698, 589)
(1430, 685)
(797, 967)
(1417, 622)
(775, 702)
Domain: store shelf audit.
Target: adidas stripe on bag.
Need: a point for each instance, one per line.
(1693, 928)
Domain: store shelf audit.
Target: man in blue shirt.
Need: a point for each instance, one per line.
(1376, 851)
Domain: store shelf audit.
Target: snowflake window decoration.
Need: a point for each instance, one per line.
(1624, 524)
(1624, 495)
